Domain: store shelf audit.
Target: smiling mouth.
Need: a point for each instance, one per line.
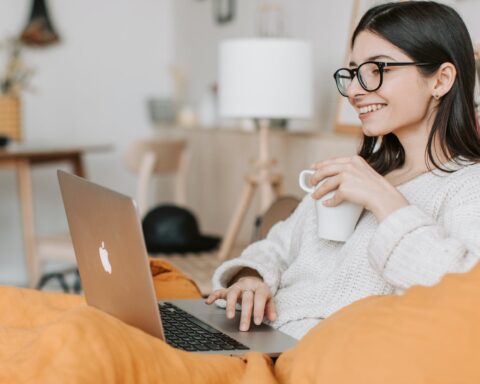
(371, 108)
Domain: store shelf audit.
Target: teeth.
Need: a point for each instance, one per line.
(371, 107)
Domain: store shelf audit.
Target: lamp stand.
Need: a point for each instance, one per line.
(270, 186)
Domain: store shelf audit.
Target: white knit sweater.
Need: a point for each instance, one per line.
(311, 278)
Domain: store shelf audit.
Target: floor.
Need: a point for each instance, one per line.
(200, 267)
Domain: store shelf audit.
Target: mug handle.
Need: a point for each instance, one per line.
(303, 182)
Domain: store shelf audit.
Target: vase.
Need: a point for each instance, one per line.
(10, 117)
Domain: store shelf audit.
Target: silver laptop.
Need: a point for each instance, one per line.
(116, 278)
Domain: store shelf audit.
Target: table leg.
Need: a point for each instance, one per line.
(26, 205)
(78, 166)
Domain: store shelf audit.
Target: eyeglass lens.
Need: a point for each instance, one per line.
(369, 77)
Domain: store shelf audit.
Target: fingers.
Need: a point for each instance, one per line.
(336, 166)
(331, 184)
(270, 310)
(335, 160)
(336, 199)
(247, 305)
(259, 303)
(326, 172)
(338, 160)
(233, 296)
(215, 295)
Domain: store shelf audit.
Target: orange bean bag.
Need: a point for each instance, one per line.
(57, 338)
(428, 335)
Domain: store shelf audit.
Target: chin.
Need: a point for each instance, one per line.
(371, 131)
(368, 131)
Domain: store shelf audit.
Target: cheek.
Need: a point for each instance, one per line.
(410, 101)
(405, 109)
(411, 110)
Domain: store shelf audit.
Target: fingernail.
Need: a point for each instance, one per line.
(243, 327)
(258, 320)
(230, 314)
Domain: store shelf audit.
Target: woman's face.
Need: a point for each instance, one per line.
(403, 102)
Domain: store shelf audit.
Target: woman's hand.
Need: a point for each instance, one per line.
(253, 294)
(354, 180)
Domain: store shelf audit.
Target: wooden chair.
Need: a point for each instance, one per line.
(280, 209)
(147, 158)
(152, 157)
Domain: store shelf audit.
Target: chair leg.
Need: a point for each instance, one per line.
(54, 275)
(277, 186)
(44, 280)
(63, 283)
(60, 276)
(77, 286)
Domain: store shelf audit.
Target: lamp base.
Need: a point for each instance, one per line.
(270, 187)
(274, 183)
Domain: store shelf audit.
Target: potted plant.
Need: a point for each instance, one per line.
(14, 79)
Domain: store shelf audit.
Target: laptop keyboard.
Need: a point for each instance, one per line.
(184, 331)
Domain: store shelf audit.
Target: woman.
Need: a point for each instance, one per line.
(411, 80)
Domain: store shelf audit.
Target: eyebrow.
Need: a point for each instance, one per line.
(372, 58)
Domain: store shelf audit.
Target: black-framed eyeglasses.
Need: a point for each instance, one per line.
(369, 75)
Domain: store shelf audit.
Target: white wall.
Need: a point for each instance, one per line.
(90, 88)
(325, 23)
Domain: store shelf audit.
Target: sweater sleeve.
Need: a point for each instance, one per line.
(270, 257)
(410, 247)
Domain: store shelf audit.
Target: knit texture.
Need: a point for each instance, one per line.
(310, 278)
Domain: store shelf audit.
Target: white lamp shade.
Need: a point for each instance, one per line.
(265, 78)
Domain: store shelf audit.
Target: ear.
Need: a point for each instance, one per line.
(443, 80)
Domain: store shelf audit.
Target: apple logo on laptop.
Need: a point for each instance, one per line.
(104, 258)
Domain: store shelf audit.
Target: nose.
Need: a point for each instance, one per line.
(355, 89)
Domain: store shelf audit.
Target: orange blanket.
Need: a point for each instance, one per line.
(57, 338)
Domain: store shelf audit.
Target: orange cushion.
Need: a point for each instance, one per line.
(169, 282)
(428, 335)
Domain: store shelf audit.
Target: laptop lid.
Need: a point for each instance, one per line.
(110, 251)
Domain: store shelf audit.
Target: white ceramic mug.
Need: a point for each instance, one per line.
(334, 223)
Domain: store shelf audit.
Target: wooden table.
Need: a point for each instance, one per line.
(22, 157)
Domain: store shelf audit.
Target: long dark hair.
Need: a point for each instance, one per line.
(433, 33)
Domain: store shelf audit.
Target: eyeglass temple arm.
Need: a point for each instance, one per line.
(398, 64)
